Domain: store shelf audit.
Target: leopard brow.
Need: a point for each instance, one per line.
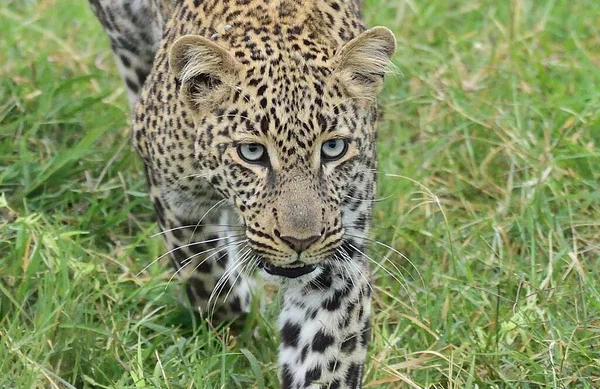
(247, 141)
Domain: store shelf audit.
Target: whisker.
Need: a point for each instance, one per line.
(402, 284)
(255, 263)
(232, 263)
(197, 175)
(347, 259)
(221, 284)
(204, 260)
(184, 246)
(230, 226)
(215, 206)
(230, 271)
(229, 244)
(344, 269)
(247, 262)
(395, 251)
(362, 274)
(372, 200)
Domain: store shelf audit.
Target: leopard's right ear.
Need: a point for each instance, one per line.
(205, 70)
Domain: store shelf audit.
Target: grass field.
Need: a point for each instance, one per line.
(490, 161)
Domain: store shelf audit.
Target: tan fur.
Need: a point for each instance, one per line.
(364, 61)
(192, 56)
(288, 210)
(290, 76)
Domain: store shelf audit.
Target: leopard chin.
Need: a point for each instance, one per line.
(289, 277)
(287, 271)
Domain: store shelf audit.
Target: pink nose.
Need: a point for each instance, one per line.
(300, 245)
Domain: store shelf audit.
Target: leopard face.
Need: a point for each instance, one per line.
(286, 133)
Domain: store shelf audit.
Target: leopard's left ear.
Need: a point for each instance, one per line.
(362, 62)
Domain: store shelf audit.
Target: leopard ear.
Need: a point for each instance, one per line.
(363, 61)
(205, 71)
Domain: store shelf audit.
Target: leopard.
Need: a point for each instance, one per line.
(256, 121)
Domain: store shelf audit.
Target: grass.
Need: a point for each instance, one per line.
(490, 161)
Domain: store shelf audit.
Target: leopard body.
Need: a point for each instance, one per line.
(212, 82)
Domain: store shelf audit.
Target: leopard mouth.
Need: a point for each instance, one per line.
(288, 272)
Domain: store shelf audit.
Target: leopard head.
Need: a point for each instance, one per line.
(285, 130)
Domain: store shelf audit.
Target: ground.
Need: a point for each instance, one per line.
(489, 187)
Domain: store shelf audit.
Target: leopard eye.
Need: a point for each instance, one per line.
(251, 152)
(334, 149)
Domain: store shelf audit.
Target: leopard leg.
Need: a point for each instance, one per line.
(325, 329)
(208, 252)
(134, 28)
(205, 254)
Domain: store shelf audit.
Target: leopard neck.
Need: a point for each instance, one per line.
(325, 329)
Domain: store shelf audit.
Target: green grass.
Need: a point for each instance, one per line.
(491, 146)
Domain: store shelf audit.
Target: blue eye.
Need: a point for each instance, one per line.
(334, 149)
(251, 152)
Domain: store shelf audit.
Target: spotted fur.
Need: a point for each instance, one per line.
(290, 77)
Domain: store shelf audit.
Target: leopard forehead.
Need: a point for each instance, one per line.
(291, 107)
(282, 92)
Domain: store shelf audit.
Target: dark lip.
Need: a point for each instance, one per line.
(289, 272)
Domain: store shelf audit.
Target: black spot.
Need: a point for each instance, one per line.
(353, 376)
(178, 254)
(312, 375)
(264, 125)
(223, 260)
(203, 266)
(309, 313)
(236, 305)
(366, 335)
(125, 61)
(333, 303)
(286, 377)
(190, 293)
(131, 85)
(333, 365)
(178, 233)
(335, 384)
(322, 341)
(195, 289)
(361, 222)
(349, 248)
(160, 210)
(290, 334)
(141, 75)
(322, 122)
(349, 345)
(303, 353)
(323, 281)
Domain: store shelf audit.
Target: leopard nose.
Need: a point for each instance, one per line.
(300, 245)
